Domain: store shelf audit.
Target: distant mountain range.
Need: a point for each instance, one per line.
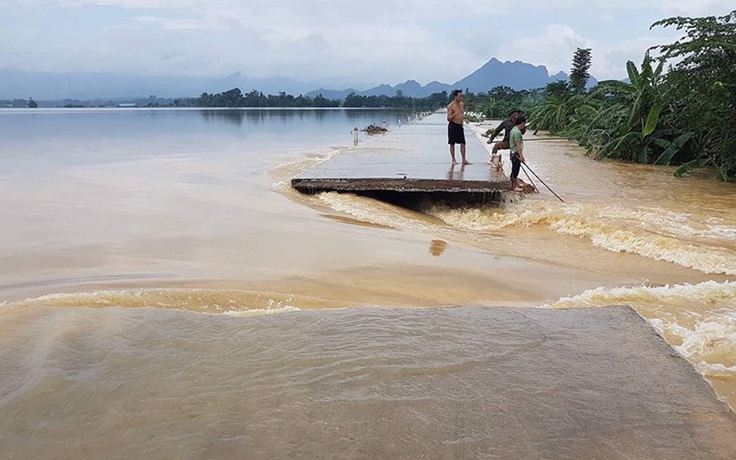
(48, 86)
(88, 86)
(517, 75)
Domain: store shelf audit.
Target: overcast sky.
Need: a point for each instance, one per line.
(366, 42)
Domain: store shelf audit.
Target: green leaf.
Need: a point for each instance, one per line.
(646, 68)
(687, 167)
(658, 71)
(616, 146)
(672, 150)
(644, 154)
(652, 120)
(635, 109)
(634, 76)
(666, 132)
(659, 142)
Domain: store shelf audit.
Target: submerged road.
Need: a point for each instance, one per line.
(411, 158)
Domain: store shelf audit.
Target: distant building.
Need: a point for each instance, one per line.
(127, 105)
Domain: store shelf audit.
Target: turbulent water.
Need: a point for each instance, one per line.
(141, 252)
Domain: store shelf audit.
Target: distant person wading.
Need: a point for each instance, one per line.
(455, 131)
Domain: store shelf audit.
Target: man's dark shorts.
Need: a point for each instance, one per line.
(455, 134)
(515, 166)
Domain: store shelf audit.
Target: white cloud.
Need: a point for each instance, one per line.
(697, 8)
(377, 41)
(553, 48)
(261, 39)
(610, 62)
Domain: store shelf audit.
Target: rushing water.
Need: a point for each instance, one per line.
(126, 233)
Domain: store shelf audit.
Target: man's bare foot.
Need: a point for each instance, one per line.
(488, 141)
(454, 162)
(466, 162)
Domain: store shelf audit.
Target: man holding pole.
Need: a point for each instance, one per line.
(516, 141)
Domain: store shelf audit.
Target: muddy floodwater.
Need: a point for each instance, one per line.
(159, 275)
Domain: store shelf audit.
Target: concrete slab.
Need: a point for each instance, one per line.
(355, 383)
(411, 158)
(536, 384)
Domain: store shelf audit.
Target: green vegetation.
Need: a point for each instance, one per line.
(705, 77)
(676, 117)
(579, 73)
(13, 103)
(500, 100)
(433, 102)
(235, 98)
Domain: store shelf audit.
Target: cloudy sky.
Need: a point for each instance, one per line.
(365, 42)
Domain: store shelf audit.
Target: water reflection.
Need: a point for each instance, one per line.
(284, 116)
(452, 174)
(379, 115)
(437, 247)
(233, 116)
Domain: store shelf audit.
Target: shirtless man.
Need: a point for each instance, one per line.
(455, 132)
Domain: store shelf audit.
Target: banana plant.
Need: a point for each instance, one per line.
(638, 137)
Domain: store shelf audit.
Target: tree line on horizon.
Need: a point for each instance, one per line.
(19, 103)
(236, 99)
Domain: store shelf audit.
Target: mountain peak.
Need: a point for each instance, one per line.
(517, 75)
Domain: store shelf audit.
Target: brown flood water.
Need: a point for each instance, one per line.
(119, 244)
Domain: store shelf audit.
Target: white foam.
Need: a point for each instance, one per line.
(286, 171)
(708, 292)
(715, 370)
(698, 320)
(261, 311)
(373, 211)
(712, 335)
(607, 227)
(232, 302)
(707, 344)
(720, 232)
